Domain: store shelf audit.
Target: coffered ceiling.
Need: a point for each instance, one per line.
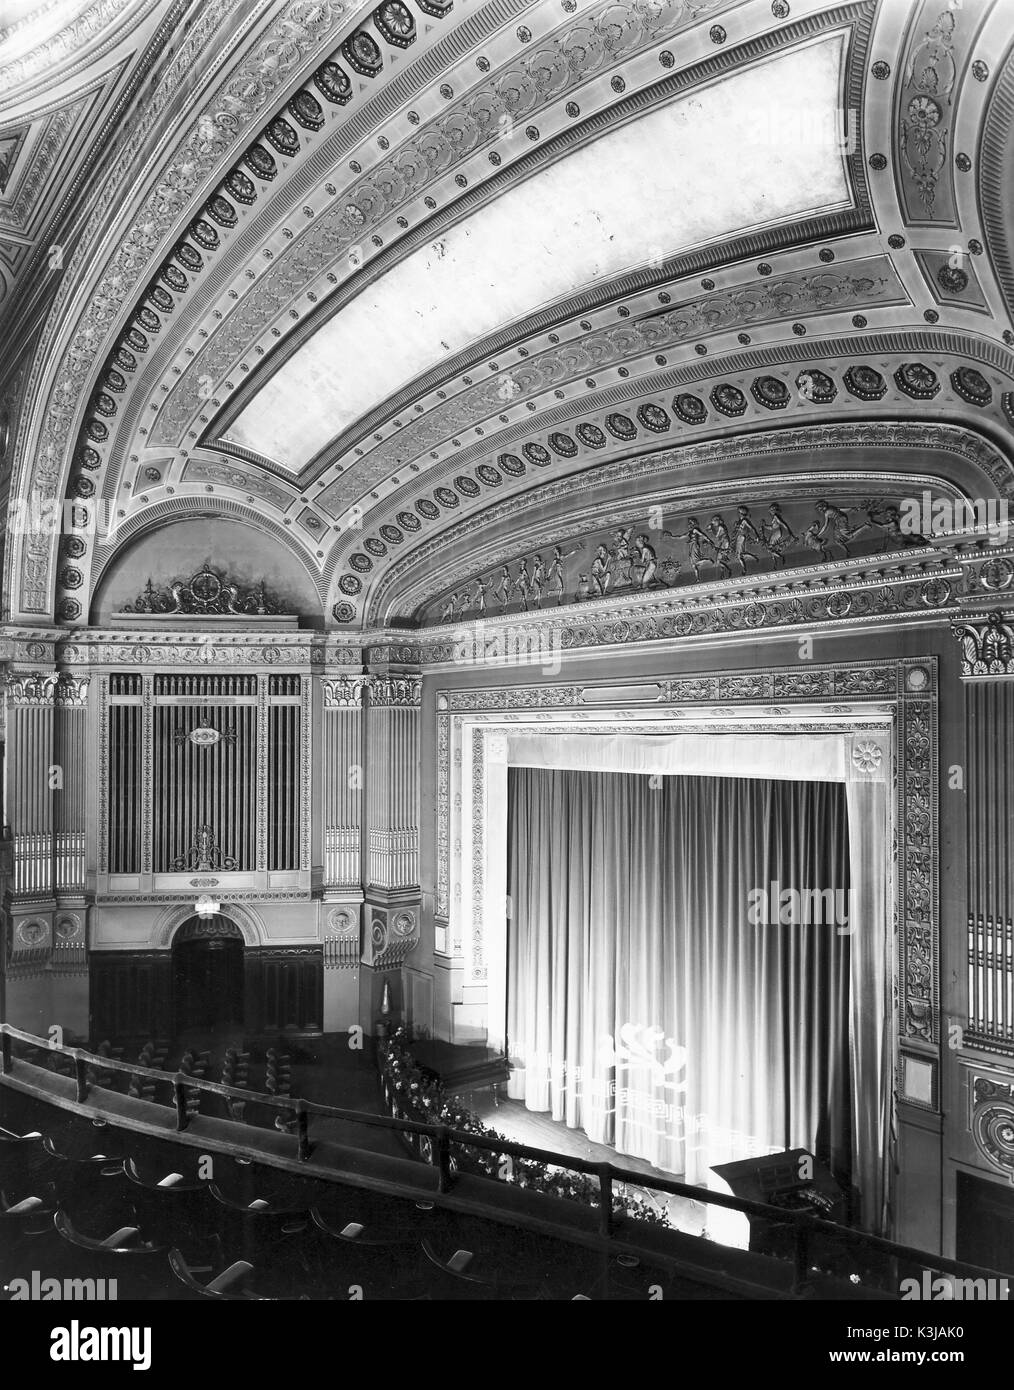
(420, 287)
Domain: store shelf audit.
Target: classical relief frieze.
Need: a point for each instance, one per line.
(417, 578)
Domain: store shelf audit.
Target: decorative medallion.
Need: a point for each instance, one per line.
(362, 562)
(240, 186)
(137, 340)
(952, 279)
(591, 436)
(621, 427)
(162, 299)
(375, 546)
(262, 162)
(175, 279)
(391, 534)
(74, 547)
(446, 496)
(996, 574)
(222, 212)
(971, 386)
(307, 110)
(690, 409)
(935, 593)
(87, 457)
(395, 22)
(511, 464)
(408, 522)
(126, 359)
(283, 137)
(363, 54)
(728, 399)
(428, 509)
(70, 578)
(204, 233)
(343, 612)
(653, 418)
(350, 584)
(535, 453)
(816, 386)
(468, 487)
(104, 404)
(563, 445)
(770, 391)
(69, 609)
(333, 83)
(487, 474)
(917, 380)
(865, 382)
(150, 322)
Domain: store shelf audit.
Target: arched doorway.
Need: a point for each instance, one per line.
(207, 976)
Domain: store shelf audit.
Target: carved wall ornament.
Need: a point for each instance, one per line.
(204, 853)
(395, 691)
(346, 692)
(207, 592)
(987, 645)
(992, 1122)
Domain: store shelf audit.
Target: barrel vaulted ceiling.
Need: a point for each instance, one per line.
(426, 287)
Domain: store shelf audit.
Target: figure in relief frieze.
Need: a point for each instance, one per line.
(620, 559)
(697, 540)
(776, 534)
(647, 563)
(505, 588)
(523, 585)
(743, 534)
(721, 543)
(538, 581)
(600, 574)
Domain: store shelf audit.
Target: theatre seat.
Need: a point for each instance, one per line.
(228, 1285)
(127, 1240)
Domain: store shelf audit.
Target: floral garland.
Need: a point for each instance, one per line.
(410, 1093)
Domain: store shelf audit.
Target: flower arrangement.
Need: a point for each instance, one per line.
(414, 1094)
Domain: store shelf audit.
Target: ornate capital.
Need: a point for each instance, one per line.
(34, 689)
(987, 645)
(395, 691)
(346, 692)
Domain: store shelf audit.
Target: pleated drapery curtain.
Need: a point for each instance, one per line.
(661, 996)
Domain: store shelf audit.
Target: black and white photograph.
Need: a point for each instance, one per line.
(506, 674)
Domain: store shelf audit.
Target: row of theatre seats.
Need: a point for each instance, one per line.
(87, 1201)
(155, 1056)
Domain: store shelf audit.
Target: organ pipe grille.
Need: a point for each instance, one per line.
(210, 769)
(990, 802)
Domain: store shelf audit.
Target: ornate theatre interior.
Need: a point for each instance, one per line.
(401, 400)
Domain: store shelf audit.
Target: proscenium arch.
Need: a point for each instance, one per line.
(245, 917)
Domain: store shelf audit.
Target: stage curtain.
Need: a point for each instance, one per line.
(644, 1005)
